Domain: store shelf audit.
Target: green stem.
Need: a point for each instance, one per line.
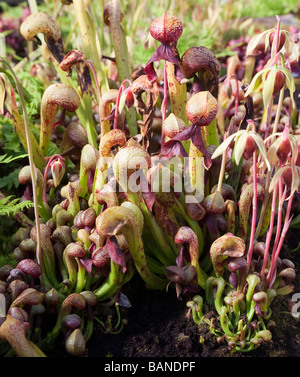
(89, 121)
(154, 265)
(249, 67)
(250, 345)
(217, 298)
(163, 250)
(84, 111)
(234, 178)
(179, 208)
(196, 171)
(266, 195)
(252, 280)
(225, 323)
(119, 219)
(212, 135)
(112, 284)
(80, 284)
(88, 330)
(31, 163)
(91, 45)
(50, 272)
(177, 93)
(193, 306)
(137, 251)
(36, 151)
(121, 55)
(178, 98)
(237, 311)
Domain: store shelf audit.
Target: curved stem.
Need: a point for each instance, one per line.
(178, 98)
(252, 280)
(268, 119)
(55, 96)
(32, 166)
(121, 89)
(246, 198)
(163, 250)
(87, 103)
(122, 56)
(92, 49)
(225, 322)
(254, 208)
(121, 219)
(80, 284)
(112, 284)
(46, 173)
(20, 127)
(279, 219)
(180, 209)
(187, 235)
(278, 111)
(164, 102)
(222, 170)
(95, 78)
(270, 231)
(276, 41)
(266, 198)
(287, 221)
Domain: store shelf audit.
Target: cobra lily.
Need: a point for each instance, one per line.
(167, 30)
(202, 65)
(224, 250)
(14, 331)
(41, 22)
(57, 166)
(122, 219)
(201, 109)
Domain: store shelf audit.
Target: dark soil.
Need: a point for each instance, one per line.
(158, 326)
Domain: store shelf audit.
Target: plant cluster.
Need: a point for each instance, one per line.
(186, 178)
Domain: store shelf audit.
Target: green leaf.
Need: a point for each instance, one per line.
(7, 160)
(290, 82)
(261, 146)
(122, 102)
(240, 147)
(225, 144)
(268, 87)
(9, 206)
(5, 93)
(2, 305)
(255, 81)
(10, 180)
(256, 40)
(2, 95)
(276, 177)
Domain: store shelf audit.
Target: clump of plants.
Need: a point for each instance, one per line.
(176, 174)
